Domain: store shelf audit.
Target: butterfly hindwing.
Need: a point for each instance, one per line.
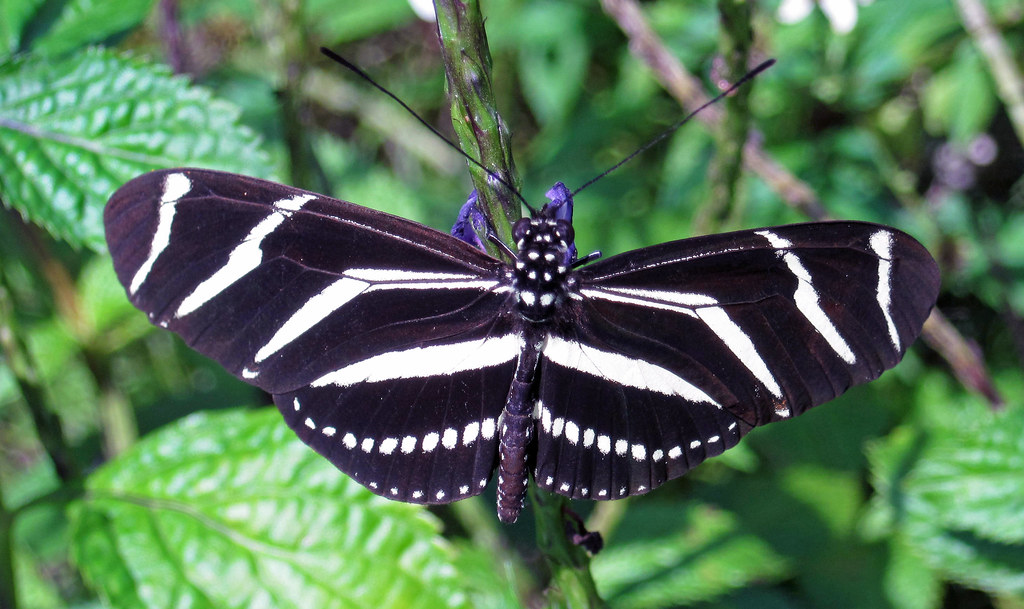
(602, 433)
(421, 440)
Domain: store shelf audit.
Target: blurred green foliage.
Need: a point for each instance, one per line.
(905, 493)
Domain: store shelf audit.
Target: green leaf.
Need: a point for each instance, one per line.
(680, 554)
(909, 582)
(552, 66)
(959, 100)
(14, 14)
(229, 509)
(971, 479)
(357, 20)
(837, 508)
(103, 302)
(1010, 242)
(82, 22)
(966, 557)
(955, 496)
(890, 459)
(491, 588)
(74, 130)
(95, 545)
(893, 37)
(33, 589)
(756, 598)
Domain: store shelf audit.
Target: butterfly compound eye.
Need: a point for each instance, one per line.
(520, 230)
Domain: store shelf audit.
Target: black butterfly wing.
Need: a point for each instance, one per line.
(668, 355)
(380, 339)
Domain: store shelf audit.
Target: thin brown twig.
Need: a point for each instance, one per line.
(171, 35)
(965, 361)
(725, 170)
(1008, 80)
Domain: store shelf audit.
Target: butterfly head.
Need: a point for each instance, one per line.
(543, 265)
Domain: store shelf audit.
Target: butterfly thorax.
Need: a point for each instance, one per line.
(542, 270)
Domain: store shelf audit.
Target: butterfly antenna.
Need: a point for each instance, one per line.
(736, 85)
(455, 147)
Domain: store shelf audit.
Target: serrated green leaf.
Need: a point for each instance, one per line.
(82, 22)
(972, 479)
(95, 539)
(966, 557)
(666, 556)
(955, 496)
(229, 509)
(74, 130)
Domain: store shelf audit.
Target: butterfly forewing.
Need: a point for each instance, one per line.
(688, 345)
(381, 339)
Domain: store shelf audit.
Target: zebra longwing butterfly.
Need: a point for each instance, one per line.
(417, 364)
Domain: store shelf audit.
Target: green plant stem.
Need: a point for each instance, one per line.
(117, 417)
(726, 171)
(285, 47)
(481, 132)
(8, 590)
(571, 582)
(483, 136)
